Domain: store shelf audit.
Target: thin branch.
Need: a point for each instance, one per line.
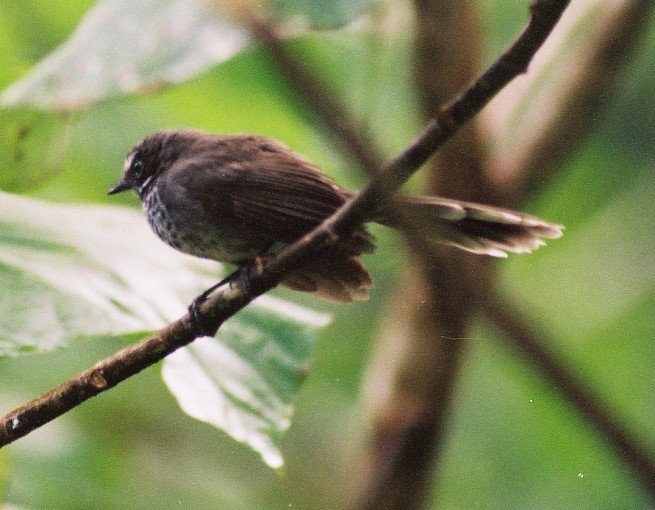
(523, 339)
(232, 297)
(332, 113)
(533, 151)
(102, 376)
(110, 371)
(450, 118)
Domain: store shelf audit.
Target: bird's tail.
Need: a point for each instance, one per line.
(339, 274)
(472, 227)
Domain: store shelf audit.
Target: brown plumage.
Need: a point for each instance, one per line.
(231, 198)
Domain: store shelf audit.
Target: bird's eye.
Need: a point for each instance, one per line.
(137, 166)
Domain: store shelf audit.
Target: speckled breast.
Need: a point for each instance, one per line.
(192, 233)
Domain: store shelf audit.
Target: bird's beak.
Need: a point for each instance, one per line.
(121, 185)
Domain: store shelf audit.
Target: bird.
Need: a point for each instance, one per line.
(241, 198)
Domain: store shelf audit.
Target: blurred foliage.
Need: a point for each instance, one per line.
(109, 53)
(71, 277)
(512, 442)
(32, 149)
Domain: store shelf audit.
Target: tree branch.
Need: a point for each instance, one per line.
(531, 153)
(332, 112)
(411, 380)
(522, 338)
(232, 296)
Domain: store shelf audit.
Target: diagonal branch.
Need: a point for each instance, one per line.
(530, 153)
(332, 113)
(411, 380)
(524, 340)
(233, 296)
(449, 120)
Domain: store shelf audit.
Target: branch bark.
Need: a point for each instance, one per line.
(412, 378)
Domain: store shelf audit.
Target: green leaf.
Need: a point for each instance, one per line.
(127, 46)
(72, 271)
(79, 271)
(244, 382)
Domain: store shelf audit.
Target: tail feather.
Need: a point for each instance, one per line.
(336, 275)
(339, 275)
(476, 228)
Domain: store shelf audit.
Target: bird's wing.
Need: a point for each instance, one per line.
(281, 196)
(266, 189)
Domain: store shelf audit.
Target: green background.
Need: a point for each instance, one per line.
(513, 443)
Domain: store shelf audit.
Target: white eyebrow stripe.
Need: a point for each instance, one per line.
(128, 161)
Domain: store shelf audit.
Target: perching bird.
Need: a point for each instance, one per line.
(234, 198)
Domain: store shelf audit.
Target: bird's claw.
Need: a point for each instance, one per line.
(196, 321)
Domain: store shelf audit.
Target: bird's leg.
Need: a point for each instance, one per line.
(195, 319)
(255, 269)
(245, 274)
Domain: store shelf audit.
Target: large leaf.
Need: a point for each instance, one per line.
(244, 384)
(127, 46)
(75, 271)
(124, 46)
(80, 271)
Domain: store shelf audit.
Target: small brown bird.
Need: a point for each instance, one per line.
(233, 198)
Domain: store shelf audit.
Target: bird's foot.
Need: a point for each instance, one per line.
(197, 323)
(244, 275)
